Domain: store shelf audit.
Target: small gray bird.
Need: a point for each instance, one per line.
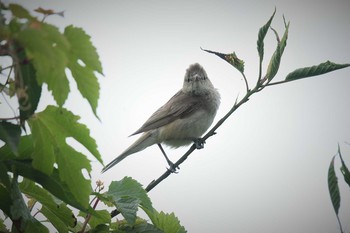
(182, 120)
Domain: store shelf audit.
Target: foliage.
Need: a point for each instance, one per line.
(42, 165)
(333, 186)
(36, 160)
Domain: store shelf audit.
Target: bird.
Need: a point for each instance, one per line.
(180, 121)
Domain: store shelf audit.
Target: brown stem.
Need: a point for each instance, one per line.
(88, 217)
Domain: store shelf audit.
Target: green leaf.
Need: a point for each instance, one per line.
(54, 220)
(143, 227)
(6, 201)
(27, 89)
(333, 187)
(103, 217)
(283, 42)
(126, 195)
(231, 58)
(275, 61)
(50, 129)
(45, 143)
(10, 134)
(82, 48)
(4, 177)
(140, 226)
(322, 68)
(128, 207)
(20, 12)
(47, 49)
(20, 212)
(71, 163)
(51, 183)
(18, 208)
(344, 170)
(36, 226)
(82, 51)
(261, 36)
(23, 166)
(131, 188)
(101, 229)
(87, 84)
(168, 223)
(24, 149)
(56, 211)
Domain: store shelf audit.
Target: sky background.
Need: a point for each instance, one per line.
(266, 169)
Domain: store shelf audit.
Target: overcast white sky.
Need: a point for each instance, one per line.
(266, 169)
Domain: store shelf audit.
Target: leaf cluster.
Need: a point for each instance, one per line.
(41, 54)
(40, 173)
(127, 195)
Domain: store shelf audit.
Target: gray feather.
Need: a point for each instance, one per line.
(181, 105)
(147, 139)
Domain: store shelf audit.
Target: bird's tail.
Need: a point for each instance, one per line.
(146, 140)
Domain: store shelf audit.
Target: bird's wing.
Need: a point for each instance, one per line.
(179, 106)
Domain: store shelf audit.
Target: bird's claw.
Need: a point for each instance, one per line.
(199, 143)
(172, 168)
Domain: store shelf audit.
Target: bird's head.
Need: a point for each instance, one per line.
(196, 80)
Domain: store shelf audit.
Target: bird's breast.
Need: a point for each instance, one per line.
(183, 131)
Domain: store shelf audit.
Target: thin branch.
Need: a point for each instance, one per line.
(211, 132)
(339, 222)
(279, 82)
(260, 71)
(13, 111)
(154, 183)
(259, 86)
(167, 173)
(88, 217)
(9, 118)
(8, 77)
(246, 82)
(36, 213)
(7, 67)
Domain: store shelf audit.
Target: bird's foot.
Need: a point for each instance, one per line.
(172, 168)
(199, 143)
